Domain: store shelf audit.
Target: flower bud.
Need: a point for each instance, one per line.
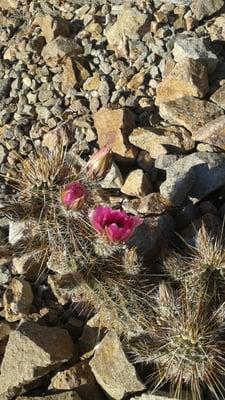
(73, 196)
(99, 163)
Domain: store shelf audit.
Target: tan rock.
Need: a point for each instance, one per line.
(19, 230)
(217, 29)
(129, 22)
(113, 129)
(5, 330)
(137, 184)
(53, 26)
(136, 81)
(152, 204)
(145, 161)
(92, 83)
(189, 112)
(219, 97)
(113, 179)
(159, 140)
(63, 134)
(7, 4)
(112, 370)
(17, 300)
(57, 49)
(205, 8)
(79, 377)
(187, 78)
(212, 133)
(31, 352)
(28, 266)
(68, 77)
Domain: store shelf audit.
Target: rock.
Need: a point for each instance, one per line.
(28, 266)
(113, 129)
(68, 395)
(145, 161)
(150, 236)
(129, 22)
(113, 179)
(38, 349)
(194, 47)
(63, 135)
(5, 86)
(193, 177)
(217, 29)
(112, 370)
(52, 27)
(219, 97)
(137, 184)
(17, 300)
(136, 81)
(5, 330)
(212, 133)
(20, 230)
(57, 49)
(212, 223)
(189, 112)
(62, 286)
(7, 4)
(93, 82)
(152, 204)
(187, 78)
(68, 77)
(160, 140)
(205, 8)
(79, 377)
(165, 160)
(3, 153)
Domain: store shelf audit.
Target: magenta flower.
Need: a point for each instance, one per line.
(115, 225)
(73, 196)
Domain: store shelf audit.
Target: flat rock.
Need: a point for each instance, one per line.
(193, 177)
(137, 184)
(62, 135)
(31, 352)
(187, 78)
(113, 129)
(68, 395)
(212, 133)
(54, 51)
(79, 377)
(194, 47)
(219, 96)
(113, 179)
(129, 22)
(52, 27)
(7, 4)
(190, 112)
(161, 140)
(112, 370)
(17, 300)
(205, 8)
(152, 204)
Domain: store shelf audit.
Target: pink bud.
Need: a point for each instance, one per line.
(73, 196)
(99, 163)
(115, 225)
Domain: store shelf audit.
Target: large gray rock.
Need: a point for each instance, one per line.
(5, 85)
(194, 177)
(112, 370)
(194, 47)
(205, 8)
(32, 351)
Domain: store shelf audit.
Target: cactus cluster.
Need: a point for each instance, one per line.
(175, 329)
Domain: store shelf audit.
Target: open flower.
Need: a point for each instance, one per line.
(115, 225)
(73, 196)
(99, 163)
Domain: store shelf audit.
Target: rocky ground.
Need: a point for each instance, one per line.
(148, 79)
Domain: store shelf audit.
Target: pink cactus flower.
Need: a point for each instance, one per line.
(99, 163)
(115, 225)
(73, 196)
